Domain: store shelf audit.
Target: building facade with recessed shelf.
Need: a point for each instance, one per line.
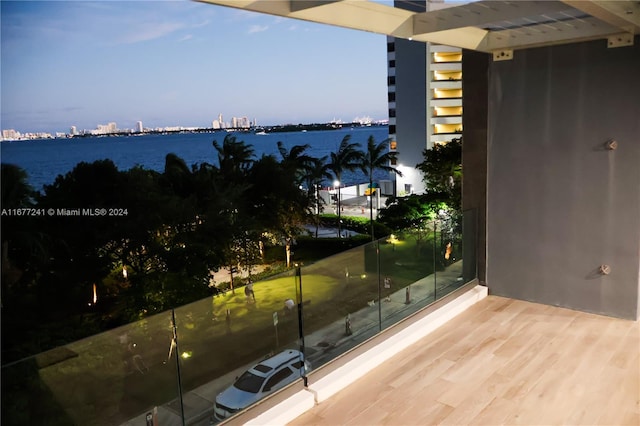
(425, 97)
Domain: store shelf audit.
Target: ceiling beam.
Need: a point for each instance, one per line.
(481, 13)
(624, 15)
(297, 5)
(354, 14)
(466, 38)
(360, 15)
(547, 34)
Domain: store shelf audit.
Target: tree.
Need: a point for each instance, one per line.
(231, 183)
(234, 158)
(316, 173)
(442, 171)
(78, 253)
(23, 243)
(377, 157)
(348, 157)
(295, 162)
(16, 191)
(281, 206)
(177, 176)
(414, 213)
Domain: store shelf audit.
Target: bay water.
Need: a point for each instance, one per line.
(44, 160)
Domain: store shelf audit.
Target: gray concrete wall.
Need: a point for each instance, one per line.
(559, 203)
(475, 71)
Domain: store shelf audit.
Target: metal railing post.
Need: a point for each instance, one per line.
(300, 318)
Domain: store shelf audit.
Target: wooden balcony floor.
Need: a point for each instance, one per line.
(502, 361)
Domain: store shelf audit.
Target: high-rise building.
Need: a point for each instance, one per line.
(236, 123)
(10, 134)
(73, 131)
(105, 129)
(425, 97)
(139, 127)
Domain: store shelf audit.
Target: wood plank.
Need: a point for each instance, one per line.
(503, 361)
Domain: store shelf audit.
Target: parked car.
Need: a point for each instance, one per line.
(259, 381)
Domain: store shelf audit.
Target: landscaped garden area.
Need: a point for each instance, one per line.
(97, 381)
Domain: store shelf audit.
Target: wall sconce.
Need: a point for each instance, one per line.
(605, 269)
(611, 145)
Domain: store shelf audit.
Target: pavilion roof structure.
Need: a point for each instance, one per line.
(489, 26)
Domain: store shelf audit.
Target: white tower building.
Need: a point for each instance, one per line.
(425, 105)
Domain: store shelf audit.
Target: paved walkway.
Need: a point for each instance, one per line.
(352, 207)
(322, 346)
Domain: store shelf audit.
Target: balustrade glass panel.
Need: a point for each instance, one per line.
(106, 379)
(406, 268)
(222, 339)
(124, 375)
(338, 294)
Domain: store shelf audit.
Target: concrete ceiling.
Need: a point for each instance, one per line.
(488, 26)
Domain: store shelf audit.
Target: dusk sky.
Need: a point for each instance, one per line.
(179, 63)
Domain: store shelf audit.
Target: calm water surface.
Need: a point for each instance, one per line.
(45, 159)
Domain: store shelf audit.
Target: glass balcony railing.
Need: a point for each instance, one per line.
(217, 356)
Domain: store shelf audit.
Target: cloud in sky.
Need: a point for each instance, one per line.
(243, 15)
(257, 29)
(150, 31)
(201, 24)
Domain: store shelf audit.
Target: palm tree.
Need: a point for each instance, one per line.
(280, 206)
(235, 160)
(317, 171)
(234, 157)
(377, 157)
(294, 161)
(347, 158)
(296, 166)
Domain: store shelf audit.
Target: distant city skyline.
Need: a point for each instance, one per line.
(180, 63)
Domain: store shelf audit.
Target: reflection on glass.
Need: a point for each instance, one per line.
(106, 379)
(237, 347)
(259, 381)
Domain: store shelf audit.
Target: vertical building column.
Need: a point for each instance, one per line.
(475, 85)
